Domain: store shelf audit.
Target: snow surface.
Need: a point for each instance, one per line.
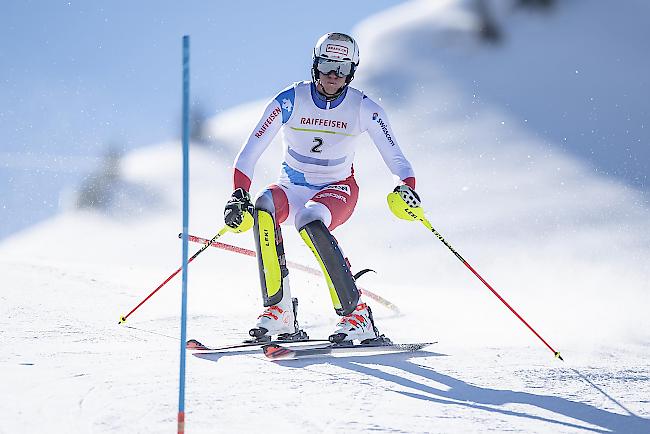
(565, 245)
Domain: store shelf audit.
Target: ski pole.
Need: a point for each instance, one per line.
(428, 225)
(208, 243)
(379, 299)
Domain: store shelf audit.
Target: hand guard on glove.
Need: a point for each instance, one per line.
(405, 203)
(238, 214)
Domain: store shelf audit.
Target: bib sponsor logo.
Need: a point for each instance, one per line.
(274, 114)
(338, 49)
(324, 123)
(384, 128)
(331, 194)
(343, 188)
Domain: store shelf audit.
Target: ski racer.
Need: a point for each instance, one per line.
(316, 191)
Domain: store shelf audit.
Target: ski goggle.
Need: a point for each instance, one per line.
(341, 69)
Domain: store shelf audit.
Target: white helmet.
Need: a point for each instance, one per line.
(336, 52)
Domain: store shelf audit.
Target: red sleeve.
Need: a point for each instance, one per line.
(410, 181)
(240, 180)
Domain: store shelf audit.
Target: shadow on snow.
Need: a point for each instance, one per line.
(463, 394)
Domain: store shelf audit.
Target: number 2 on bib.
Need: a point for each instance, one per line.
(317, 146)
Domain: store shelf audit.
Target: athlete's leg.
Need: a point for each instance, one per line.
(339, 199)
(271, 209)
(329, 208)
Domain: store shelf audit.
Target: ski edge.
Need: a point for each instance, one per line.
(274, 351)
(195, 345)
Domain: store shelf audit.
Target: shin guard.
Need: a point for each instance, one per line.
(270, 257)
(343, 290)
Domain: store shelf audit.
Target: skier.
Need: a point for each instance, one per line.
(316, 190)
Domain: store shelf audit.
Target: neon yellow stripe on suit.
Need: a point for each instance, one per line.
(309, 130)
(272, 273)
(335, 298)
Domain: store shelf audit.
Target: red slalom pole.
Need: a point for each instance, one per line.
(437, 234)
(208, 243)
(313, 271)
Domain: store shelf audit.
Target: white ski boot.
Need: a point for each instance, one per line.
(280, 319)
(359, 325)
(275, 320)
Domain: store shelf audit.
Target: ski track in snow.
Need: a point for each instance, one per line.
(573, 262)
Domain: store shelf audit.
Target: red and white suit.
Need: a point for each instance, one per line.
(317, 177)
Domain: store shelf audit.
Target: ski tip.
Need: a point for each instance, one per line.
(276, 352)
(558, 356)
(193, 344)
(122, 320)
(418, 346)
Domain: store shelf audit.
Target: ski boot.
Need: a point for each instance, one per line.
(278, 320)
(359, 325)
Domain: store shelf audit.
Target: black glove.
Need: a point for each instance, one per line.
(238, 204)
(409, 195)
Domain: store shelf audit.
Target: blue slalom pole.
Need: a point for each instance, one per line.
(186, 182)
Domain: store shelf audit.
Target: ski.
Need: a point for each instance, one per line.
(195, 345)
(276, 351)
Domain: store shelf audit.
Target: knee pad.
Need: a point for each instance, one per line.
(311, 212)
(265, 202)
(270, 250)
(343, 290)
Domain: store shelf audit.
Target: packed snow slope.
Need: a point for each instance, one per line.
(566, 245)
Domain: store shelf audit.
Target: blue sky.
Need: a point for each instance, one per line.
(78, 75)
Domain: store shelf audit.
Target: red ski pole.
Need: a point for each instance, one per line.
(208, 243)
(437, 234)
